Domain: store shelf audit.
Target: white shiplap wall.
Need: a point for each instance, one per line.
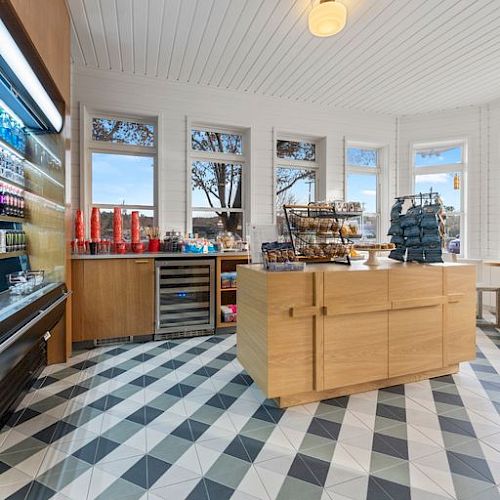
(173, 103)
(480, 126)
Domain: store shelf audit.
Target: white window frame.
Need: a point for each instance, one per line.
(380, 173)
(453, 168)
(243, 160)
(91, 146)
(302, 164)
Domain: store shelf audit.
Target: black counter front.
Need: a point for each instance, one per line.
(24, 321)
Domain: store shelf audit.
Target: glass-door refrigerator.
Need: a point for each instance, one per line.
(32, 214)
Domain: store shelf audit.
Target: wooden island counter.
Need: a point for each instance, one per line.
(334, 330)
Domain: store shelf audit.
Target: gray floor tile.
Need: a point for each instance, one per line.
(138, 444)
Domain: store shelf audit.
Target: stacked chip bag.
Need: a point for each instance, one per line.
(431, 236)
(418, 233)
(396, 232)
(413, 233)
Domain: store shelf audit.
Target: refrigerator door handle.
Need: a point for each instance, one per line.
(41, 314)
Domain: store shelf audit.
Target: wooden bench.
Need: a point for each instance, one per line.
(494, 289)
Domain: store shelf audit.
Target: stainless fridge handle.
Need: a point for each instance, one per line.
(41, 314)
(157, 296)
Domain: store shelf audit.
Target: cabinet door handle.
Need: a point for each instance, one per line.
(304, 312)
(417, 303)
(455, 297)
(145, 261)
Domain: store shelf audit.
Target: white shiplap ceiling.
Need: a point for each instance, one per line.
(394, 56)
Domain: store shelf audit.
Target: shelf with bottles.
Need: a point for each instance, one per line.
(11, 255)
(12, 203)
(8, 218)
(22, 150)
(12, 132)
(12, 240)
(11, 167)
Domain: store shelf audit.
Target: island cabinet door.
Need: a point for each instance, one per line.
(416, 319)
(295, 330)
(460, 318)
(356, 324)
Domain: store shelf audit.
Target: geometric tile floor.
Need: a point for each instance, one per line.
(180, 419)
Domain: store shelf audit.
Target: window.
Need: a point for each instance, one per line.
(441, 167)
(296, 170)
(363, 170)
(123, 132)
(121, 172)
(217, 181)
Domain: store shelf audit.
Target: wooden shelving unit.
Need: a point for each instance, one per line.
(9, 255)
(223, 296)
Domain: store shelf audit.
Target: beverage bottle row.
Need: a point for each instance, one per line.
(11, 200)
(12, 240)
(11, 167)
(11, 131)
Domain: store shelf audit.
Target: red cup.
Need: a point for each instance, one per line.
(135, 227)
(117, 225)
(120, 247)
(79, 226)
(138, 247)
(154, 245)
(95, 225)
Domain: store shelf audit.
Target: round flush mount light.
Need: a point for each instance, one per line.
(327, 18)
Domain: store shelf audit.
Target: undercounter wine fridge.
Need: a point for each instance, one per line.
(184, 297)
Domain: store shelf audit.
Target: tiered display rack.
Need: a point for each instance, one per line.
(317, 232)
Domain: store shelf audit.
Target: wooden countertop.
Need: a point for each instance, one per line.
(355, 266)
(158, 255)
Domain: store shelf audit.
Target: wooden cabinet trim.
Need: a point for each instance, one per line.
(355, 309)
(319, 327)
(418, 303)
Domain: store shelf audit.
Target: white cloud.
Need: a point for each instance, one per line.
(369, 192)
(433, 178)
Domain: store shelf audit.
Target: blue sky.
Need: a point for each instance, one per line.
(118, 179)
(363, 188)
(443, 182)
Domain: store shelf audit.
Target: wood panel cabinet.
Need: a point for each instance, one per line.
(282, 362)
(355, 327)
(459, 285)
(113, 298)
(415, 319)
(331, 331)
(294, 309)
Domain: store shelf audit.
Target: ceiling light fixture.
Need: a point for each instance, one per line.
(327, 18)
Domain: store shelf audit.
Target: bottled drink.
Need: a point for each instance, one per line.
(12, 240)
(11, 201)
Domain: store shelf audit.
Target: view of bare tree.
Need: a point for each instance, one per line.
(123, 132)
(221, 182)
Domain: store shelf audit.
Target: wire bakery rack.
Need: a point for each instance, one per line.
(320, 233)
